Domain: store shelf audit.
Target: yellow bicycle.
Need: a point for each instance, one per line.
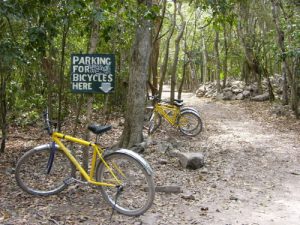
(124, 178)
(186, 119)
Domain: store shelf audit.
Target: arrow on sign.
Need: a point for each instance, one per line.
(106, 87)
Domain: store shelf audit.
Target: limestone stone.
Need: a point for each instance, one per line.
(191, 160)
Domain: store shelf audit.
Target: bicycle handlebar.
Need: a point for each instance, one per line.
(154, 97)
(157, 99)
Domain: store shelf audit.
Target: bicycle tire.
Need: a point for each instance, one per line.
(189, 123)
(147, 115)
(138, 191)
(31, 171)
(187, 108)
(154, 122)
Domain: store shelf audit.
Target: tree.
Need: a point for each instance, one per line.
(156, 48)
(217, 57)
(139, 65)
(175, 60)
(286, 70)
(93, 42)
(9, 57)
(164, 65)
(249, 41)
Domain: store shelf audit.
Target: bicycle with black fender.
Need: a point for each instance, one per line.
(186, 119)
(124, 178)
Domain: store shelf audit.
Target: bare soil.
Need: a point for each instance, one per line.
(251, 174)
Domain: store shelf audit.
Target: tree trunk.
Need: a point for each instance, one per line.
(205, 76)
(154, 64)
(166, 56)
(192, 83)
(183, 68)
(246, 29)
(3, 107)
(93, 42)
(182, 80)
(175, 61)
(225, 62)
(286, 72)
(218, 64)
(270, 89)
(245, 71)
(134, 116)
(49, 70)
(62, 70)
(296, 72)
(155, 49)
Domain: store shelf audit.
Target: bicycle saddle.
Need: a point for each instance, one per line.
(99, 129)
(178, 102)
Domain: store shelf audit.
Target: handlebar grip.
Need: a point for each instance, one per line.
(154, 97)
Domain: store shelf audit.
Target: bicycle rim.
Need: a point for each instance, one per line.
(138, 187)
(190, 123)
(31, 172)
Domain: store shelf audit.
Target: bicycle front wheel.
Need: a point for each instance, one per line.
(31, 171)
(137, 185)
(189, 123)
(154, 122)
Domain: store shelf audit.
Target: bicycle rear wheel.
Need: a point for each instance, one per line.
(31, 171)
(138, 190)
(189, 123)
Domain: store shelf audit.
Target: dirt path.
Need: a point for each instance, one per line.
(252, 169)
(255, 167)
(251, 176)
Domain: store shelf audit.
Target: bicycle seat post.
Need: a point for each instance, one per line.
(97, 138)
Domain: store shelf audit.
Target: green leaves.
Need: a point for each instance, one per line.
(10, 52)
(99, 15)
(37, 37)
(151, 13)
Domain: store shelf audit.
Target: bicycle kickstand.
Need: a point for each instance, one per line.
(119, 190)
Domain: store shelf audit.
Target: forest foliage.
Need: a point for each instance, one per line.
(193, 41)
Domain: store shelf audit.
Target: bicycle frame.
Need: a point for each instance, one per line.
(163, 110)
(97, 152)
